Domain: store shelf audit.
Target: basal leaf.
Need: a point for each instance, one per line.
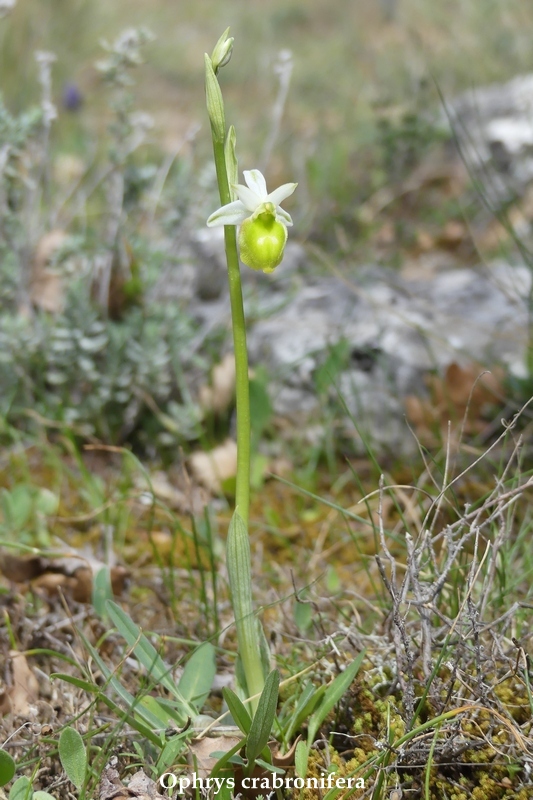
(21, 789)
(238, 710)
(301, 757)
(225, 758)
(198, 675)
(73, 756)
(263, 718)
(7, 767)
(102, 592)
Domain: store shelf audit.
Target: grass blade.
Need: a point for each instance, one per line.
(305, 706)
(147, 654)
(135, 723)
(132, 703)
(332, 695)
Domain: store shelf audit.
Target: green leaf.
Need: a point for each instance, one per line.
(303, 615)
(198, 675)
(264, 649)
(259, 466)
(17, 506)
(270, 767)
(240, 677)
(47, 503)
(301, 757)
(263, 718)
(7, 767)
(170, 752)
(225, 758)
(232, 167)
(240, 579)
(332, 695)
(164, 715)
(327, 374)
(21, 789)
(102, 592)
(307, 702)
(215, 103)
(73, 756)
(224, 793)
(238, 710)
(87, 686)
(147, 655)
(235, 758)
(42, 796)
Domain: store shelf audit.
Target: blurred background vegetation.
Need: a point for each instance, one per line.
(356, 63)
(100, 191)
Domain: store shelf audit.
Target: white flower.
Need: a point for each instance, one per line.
(254, 200)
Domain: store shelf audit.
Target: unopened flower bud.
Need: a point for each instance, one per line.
(222, 52)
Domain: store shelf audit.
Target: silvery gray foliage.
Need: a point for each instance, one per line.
(103, 377)
(98, 376)
(123, 54)
(17, 133)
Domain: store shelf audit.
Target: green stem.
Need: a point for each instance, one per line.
(242, 389)
(238, 548)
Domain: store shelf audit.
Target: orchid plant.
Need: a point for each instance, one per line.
(261, 240)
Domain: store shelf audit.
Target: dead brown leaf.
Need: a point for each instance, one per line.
(72, 574)
(200, 751)
(211, 469)
(453, 234)
(24, 690)
(46, 283)
(179, 493)
(140, 785)
(5, 703)
(144, 788)
(461, 394)
(217, 396)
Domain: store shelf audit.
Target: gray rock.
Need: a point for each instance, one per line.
(493, 125)
(388, 330)
(211, 272)
(396, 330)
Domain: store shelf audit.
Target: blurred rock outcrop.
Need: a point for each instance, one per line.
(397, 331)
(393, 330)
(494, 128)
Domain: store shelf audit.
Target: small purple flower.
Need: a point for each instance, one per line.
(72, 98)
